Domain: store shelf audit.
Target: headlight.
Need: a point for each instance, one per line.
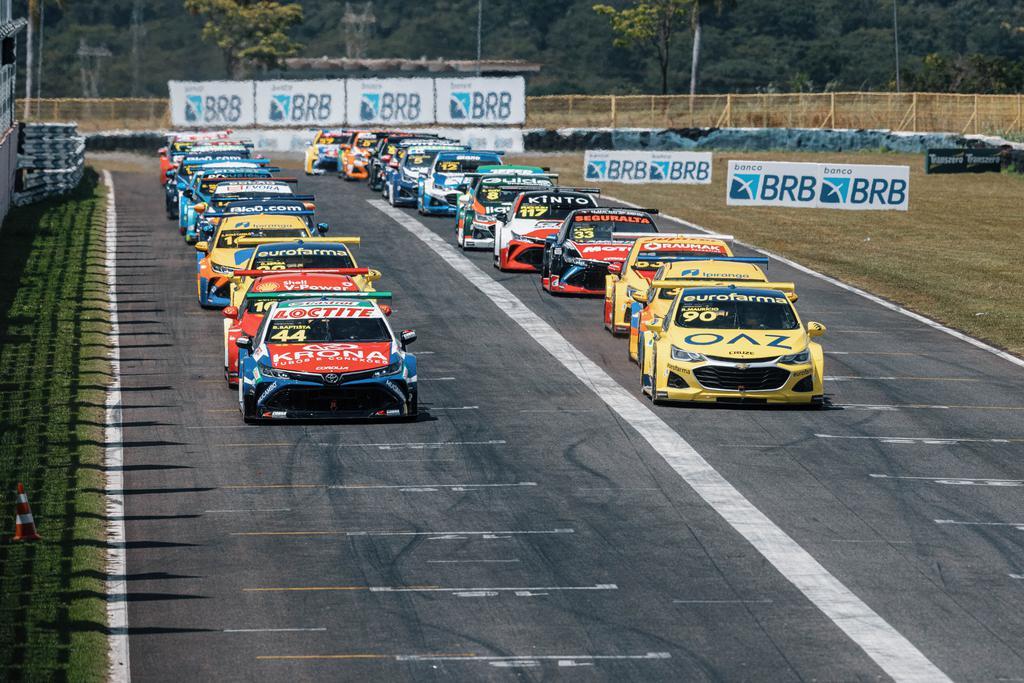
(389, 370)
(797, 358)
(268, 371)
(686, 356)
(571, 256)
(223, 270)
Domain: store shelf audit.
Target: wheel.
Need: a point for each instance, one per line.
(817, 403)
(249, 411)
(413, 408)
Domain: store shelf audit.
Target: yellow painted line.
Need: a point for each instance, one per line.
(465, 655)
(283, 486)
(325, 588)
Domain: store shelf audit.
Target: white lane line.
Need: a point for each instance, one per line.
(927, 440)
(870, 353)
(853, 290)
(272, 630)
(113, 457)
(521, 661)
(437, 379)
(896, 655)
(523, 591)
(917, 406)
(857, 378)
(416, 488)
(955, 522)
(1016, 576)
(435, 409)
(431, 535)
(722, 602)
(956, 481)
(472, 561)
(214, 512)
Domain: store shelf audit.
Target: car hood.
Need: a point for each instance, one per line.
(609, 252)
(329, 357)
(740, 344)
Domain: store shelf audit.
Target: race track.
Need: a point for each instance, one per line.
(522, 528)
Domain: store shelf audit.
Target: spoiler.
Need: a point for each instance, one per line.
(693, 236)
(248, 178)
(759, 260)
(633, 235)
(583, 190)
(303, 271)
(252, 241)
(318, 295)
(787, 288)
(514, 172)
(282, 212)
(653, 212)
(277, 197)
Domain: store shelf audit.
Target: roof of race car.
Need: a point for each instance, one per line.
(730, 290)
(711, 269)
(267, 185)
(611, 211)
(262, 221)
(468, 155)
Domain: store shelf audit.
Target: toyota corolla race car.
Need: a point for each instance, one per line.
(355, 158)
(652, 300)
(733, 344)
(218, 258)
(328, 357)
(446, 174)
(488, 204)
(324, 152)
(243, 319)
(577, 257)
(645, 257)
(401, 184)
(535, 216)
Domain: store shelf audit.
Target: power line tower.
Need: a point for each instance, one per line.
(138, 32)
(90, 63)
(356, 26)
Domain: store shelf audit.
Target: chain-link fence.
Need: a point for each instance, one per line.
(911, 112)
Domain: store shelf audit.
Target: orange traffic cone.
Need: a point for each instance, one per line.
(25, 526)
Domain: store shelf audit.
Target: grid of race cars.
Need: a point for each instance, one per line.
(306, 331)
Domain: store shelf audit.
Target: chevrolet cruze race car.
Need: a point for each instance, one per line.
(243, 319)
(535, 215)
(652, 300)
(223, 205)
(355, 158)
(179, 177)
(384, 152)
(401, 184)
(446, 174)
(577, 257)
(488, 205)
(645, 257)
(233, 179)
(180, 144)
(733, 344)
(324, 151)
(326, 357)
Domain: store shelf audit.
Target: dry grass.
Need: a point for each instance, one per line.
(955, 256)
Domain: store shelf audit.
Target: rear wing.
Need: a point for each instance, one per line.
(653, 212)
(581, 190)
(633, 235)
(758, 260)
(252, 178)
(513, 172)
(266, 212)
(271, 296)
(253, 241)
(303, 271)
(255, 195)
(693, 236)
(787, 288)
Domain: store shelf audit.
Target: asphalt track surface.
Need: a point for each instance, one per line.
(521, 528)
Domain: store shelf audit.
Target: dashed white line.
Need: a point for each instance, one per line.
(528, 660)
(431, 535)
(435, 409)
(926, 440)
(886, 378)
(272, 630)
(523, 591)
(955, 522)
(956, 481)
(896, 655)
(511, 561)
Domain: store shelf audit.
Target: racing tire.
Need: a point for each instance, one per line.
(817, 403)
(496, 262)
(413, 409)
(248, 412)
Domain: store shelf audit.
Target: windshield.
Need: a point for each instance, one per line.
(497, 196)
(312, 256)
(553, 207)
(305, 330)
(599, 227)
(729, 310)
(419, 162)
(366, 143)
(227, 238)
(462, 165)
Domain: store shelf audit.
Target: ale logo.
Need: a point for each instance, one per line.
(835, 190)
(744, 186)
(280, 107)
(597, 170)
(369, 106)
(194, 108)
(460, 105)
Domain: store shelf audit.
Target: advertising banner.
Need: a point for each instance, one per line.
(300, 103)
(390, 101)
(481, 101)
(683, 168)
(852, 187)
(210, 104)
(962, 160)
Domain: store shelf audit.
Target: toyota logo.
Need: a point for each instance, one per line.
(332, 378)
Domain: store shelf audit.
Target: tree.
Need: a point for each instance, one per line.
(34, 7)
(653, 22)
(249, 30)
(696, 8)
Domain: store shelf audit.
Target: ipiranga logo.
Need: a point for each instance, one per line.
(831, 186)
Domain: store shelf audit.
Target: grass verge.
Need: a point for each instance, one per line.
(955, 256)
(53, 360)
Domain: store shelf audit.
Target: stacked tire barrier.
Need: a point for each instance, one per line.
(51, 159)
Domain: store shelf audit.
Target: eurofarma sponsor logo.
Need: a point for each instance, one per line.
(830, 186)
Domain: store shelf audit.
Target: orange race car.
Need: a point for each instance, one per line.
(355, 157)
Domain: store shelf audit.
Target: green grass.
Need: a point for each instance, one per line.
(955, 256)
(53, 361)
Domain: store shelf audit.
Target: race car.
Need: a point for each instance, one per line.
(355, 158)
(446, 174)
(487, 204)
(733, 344)
(401, 184)
(536, 215)
(224, 205)
(218, 258)
(326, 357)
(179, 188)
(385, 151)
(644, 258)
(179, 144)
(231, 177)
(324, 152)
(179, 176)
(577, 257)
(243, 319)
(651, 300)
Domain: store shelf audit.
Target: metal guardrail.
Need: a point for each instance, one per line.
(905, 112)
(51, 159)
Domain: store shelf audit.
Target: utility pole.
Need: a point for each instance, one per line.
(90, 63)
(896, 43)
(39, 69)
(479, 33)
(356, 27)
(138, 31)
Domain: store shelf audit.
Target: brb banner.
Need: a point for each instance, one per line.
(300, 103)
(211, 103)
(685, 168)
(390, 100)
(481, 100)
(854, 187)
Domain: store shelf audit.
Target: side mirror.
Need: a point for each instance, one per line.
(230, 312)
(640, 297)
(407, 337)
(203, 247)
(815, 329)
(385, 309)
(200, 207)
(550, 239)
(502, 216)
(189, 193)
(244, 343)
(373, 275)
(169, 173)
(615, 268)
(322, 228)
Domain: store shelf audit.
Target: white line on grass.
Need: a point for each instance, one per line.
(890, 650)
(117, 566)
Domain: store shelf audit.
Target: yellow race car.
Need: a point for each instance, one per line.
(651, 301)
(323, 154)
(645, 257)
(733, 344)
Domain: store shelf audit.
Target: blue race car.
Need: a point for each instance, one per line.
(445, 176)
(203, 184)
(401, 183)
(326, 356)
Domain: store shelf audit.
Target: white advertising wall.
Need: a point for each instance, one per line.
(680, 168)
(300, 103)
(481, 101)
(206, 104)
(390, 101)
(850, 187)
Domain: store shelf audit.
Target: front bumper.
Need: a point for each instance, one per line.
(575, 279)
(323, 164)
(724, 383)
(522, 256)
(437, 206)
(404, 193)
(214, 292)
(355, 172)
(282, 399)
